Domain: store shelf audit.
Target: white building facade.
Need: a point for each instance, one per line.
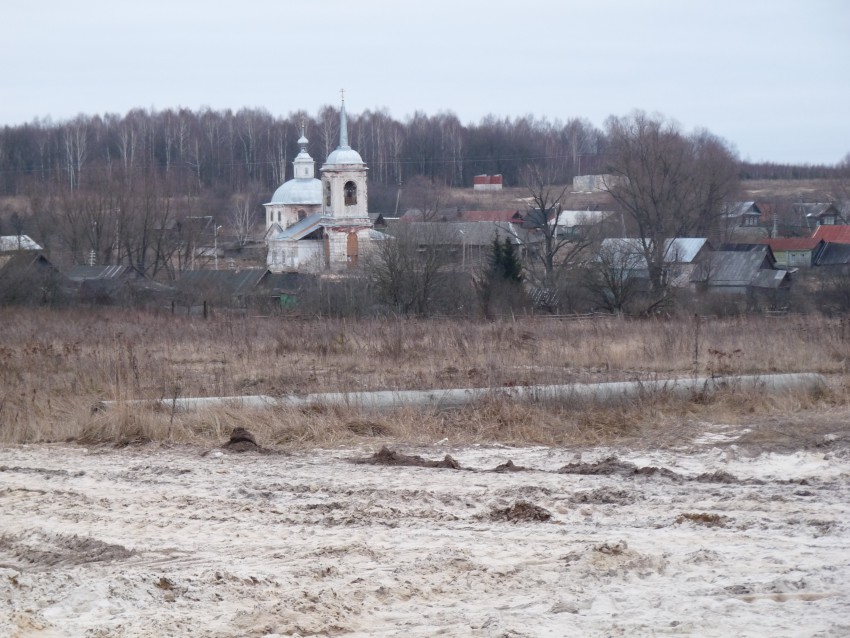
(314, 225)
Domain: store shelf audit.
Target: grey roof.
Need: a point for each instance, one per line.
(570, 218)
(737, 209)
(816, 209)
(681, 250)
(9, 243)
(88, 273)
(834, 255)
(342, 155)
(298, 230)
(14, 261)
(299, 191)
(234, 282)
(740, 268)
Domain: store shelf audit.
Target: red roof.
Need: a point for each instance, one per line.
(791, 243)
(491, 216)
(833, 234)
(487, 179)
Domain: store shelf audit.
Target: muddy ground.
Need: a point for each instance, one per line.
(722, 536)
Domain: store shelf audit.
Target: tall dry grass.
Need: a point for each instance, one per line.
(56, 364)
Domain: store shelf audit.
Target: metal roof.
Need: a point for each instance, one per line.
(833, 234)
(570, 218)
(9, 243)
(234, 282)
(737, 209)
(737, 268)
(299, 229)
(682, 250)
(463, 233)
(299, 191)
(792, 243)
(87, 273)
(834, 254)
(491, 216)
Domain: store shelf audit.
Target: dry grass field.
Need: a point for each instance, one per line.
(55, 365)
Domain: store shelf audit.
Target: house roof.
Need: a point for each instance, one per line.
(234, 282)
(491, 216)
(286, 282)
(463, 233)
(740, 268)
(833, 234)
(87, 273)
(9, 243)
(571, 218)
(782, 244)
(23, 260)
(816, 210)
(738, 209)
(298, 230)
(834, 254)
(681, 250)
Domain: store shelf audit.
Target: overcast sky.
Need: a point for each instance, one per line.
(770, 76)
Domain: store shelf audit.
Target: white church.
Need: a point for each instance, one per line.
(314, 225)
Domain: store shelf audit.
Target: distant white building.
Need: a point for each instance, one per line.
(595, 183)
(314, 225)
(487, 183)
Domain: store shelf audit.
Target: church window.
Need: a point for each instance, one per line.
(301, 214)
(350, 192)
(327, 194)
(278, 215)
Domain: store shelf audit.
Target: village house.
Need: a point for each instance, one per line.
(795, 252)
(487, 183)
(821, 214)
(681, 257)
(741, 269)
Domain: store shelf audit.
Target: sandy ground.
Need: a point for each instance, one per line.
(180, 541)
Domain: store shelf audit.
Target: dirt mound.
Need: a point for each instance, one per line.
(603, 496)
(718, 476)
(386, 456)
(242, 440)
(38, 549)
(367, 428)
(521, 511)
(613, 466)
(703, 518)
(509, 466)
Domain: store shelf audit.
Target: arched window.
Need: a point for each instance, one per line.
(327, 194)
(278, 215)
(301, 214)
(350, 192)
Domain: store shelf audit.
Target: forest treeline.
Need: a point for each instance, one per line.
(225, 152)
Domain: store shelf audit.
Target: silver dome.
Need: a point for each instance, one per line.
(299, 191)
(344, 155)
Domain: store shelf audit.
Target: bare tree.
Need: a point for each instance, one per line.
(556, 248)
(410, 269)
(610, 278)
(243, 216)
(670, 184)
